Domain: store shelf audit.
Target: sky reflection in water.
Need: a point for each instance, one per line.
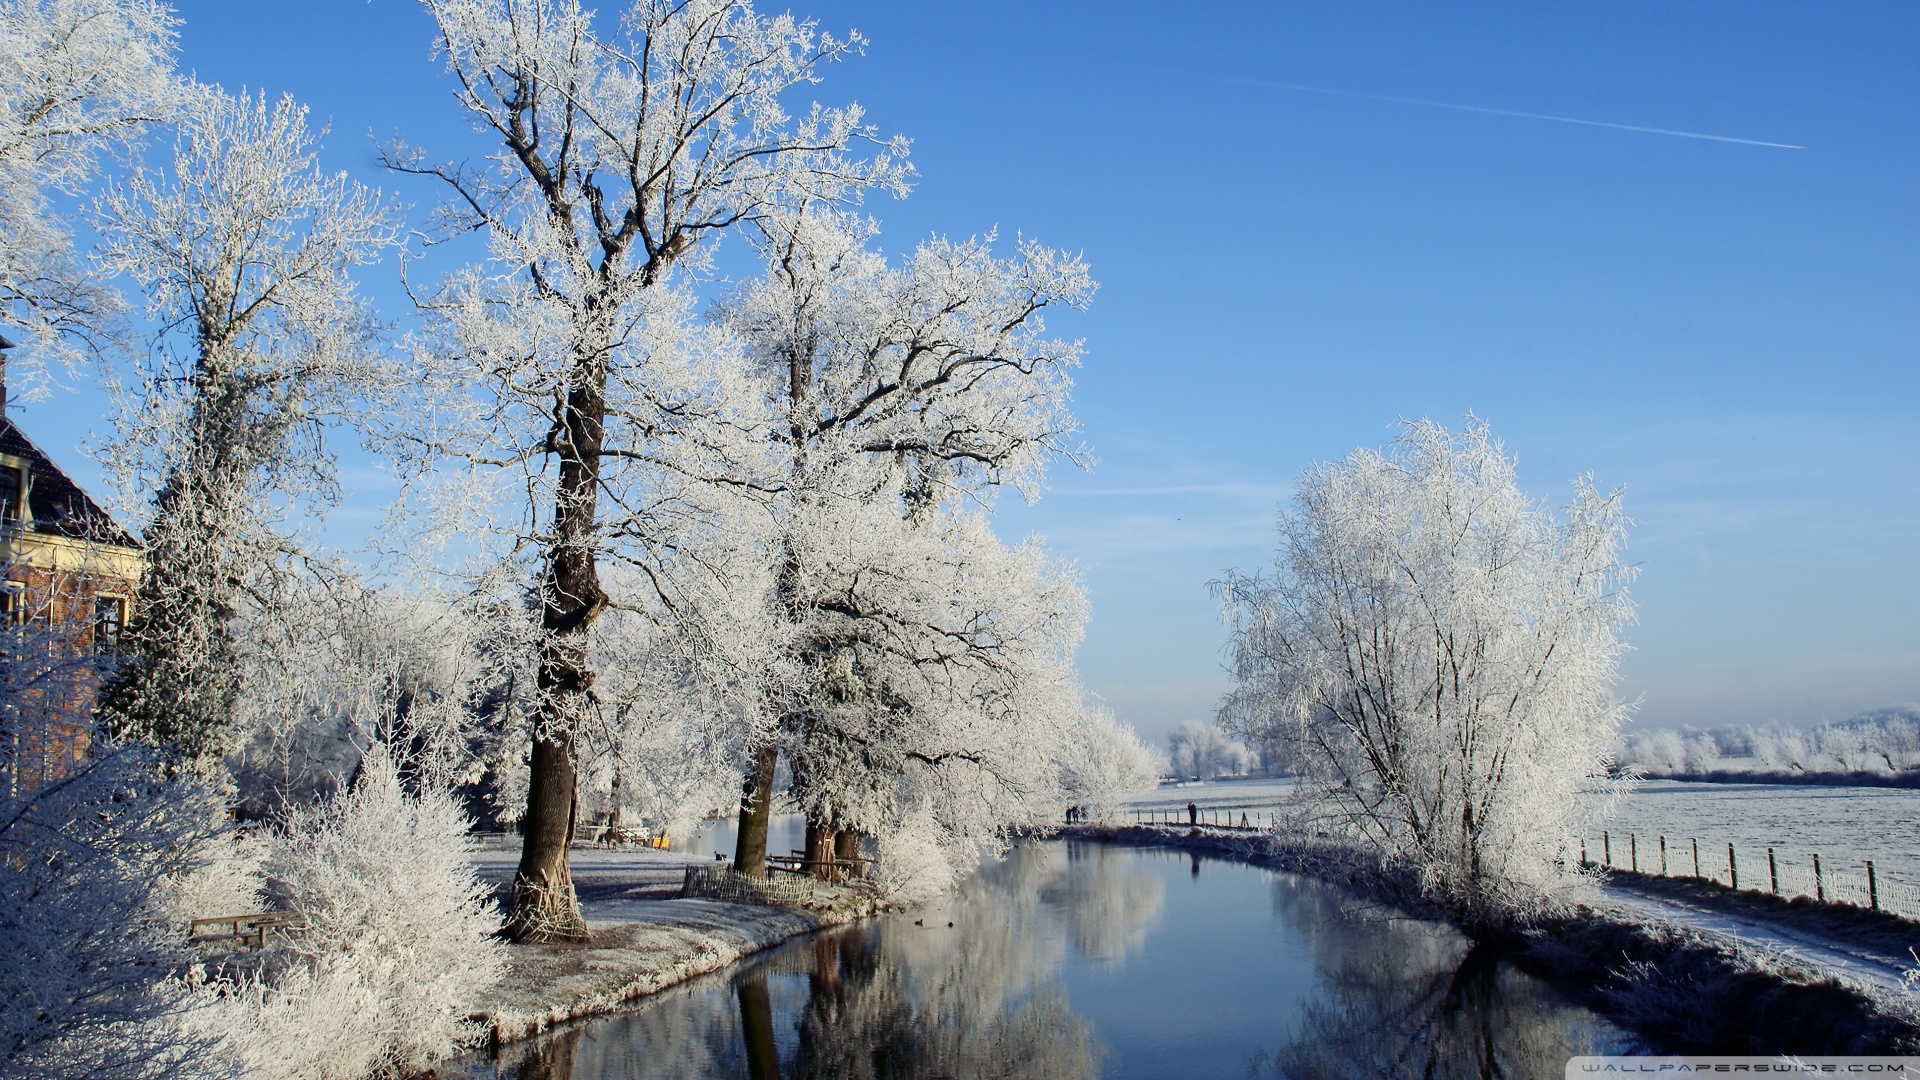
(1075, 961)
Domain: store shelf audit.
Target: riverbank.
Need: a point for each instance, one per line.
(1679, 987)
(644, 938)
(1910, 779)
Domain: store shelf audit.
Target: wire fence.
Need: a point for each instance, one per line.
(1769, 870)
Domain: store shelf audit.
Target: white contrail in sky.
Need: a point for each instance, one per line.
(1510, 112)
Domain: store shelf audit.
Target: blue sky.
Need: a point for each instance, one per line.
(1729, 330)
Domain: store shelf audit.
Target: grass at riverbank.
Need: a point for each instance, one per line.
(1680, 989)
(1909, 779)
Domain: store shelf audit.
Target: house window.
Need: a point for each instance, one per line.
(13, 603)
(11, 491)
(109, 618)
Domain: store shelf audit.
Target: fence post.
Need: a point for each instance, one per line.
(1633, 851)
(1819, 886)
(1733, 869)
(1696, 857)
(1873, 888)
(1606, 849)
(1583, 851)
(1773, 873)
(1663, 856)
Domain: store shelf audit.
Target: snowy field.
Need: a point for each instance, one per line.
(1250, 793)
(1846, 826)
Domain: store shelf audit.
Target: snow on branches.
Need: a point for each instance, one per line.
(397, 940)
(244, 249)
(1442, 650)
(934, 691)
(79, 80)
(620, 150)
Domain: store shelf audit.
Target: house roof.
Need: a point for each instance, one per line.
(58, 505)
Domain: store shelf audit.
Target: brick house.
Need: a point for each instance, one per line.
(71, 572)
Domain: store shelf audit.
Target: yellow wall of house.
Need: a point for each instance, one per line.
(47, 551)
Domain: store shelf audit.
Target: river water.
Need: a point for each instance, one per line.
(1080, 960)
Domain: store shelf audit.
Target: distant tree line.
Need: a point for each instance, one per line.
(1882, 742)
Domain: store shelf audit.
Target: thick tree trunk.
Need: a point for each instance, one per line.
(756, 813)
(846, 846)
(820, 850)
(545, 907)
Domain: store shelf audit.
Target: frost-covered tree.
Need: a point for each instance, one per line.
(89, 858)
(1443, 648)
(80, 80)
(244, 248)
(623, 152)
(945, 700)
(1106, 760)
(902, 395)
(1203, 750)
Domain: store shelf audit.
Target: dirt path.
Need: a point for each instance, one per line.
(1880, 968)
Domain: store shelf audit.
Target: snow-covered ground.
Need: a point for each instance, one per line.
(1845, 826)
(645, 937)
(1882, 970)
(608, 881)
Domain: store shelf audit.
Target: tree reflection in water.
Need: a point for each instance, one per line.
(1405, 997)
(892, 1000)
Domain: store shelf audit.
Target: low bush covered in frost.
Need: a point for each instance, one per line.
(86, 944)
(397, 945)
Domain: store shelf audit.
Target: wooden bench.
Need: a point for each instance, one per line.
(247, 931)
(798, 863)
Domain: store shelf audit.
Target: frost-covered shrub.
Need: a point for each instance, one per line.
(1104, 760)
(397, 944)
(90, 850)
(224, 879)
(914, 865)
(85, 941)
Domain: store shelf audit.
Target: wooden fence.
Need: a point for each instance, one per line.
(725, 883)
(1770, 870)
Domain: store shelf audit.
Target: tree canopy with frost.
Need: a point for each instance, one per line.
(902, 398)
(620, 150)
(1203, 750)
(1105, 760)
(80, 80)
(244, 248)
(1442, 650)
